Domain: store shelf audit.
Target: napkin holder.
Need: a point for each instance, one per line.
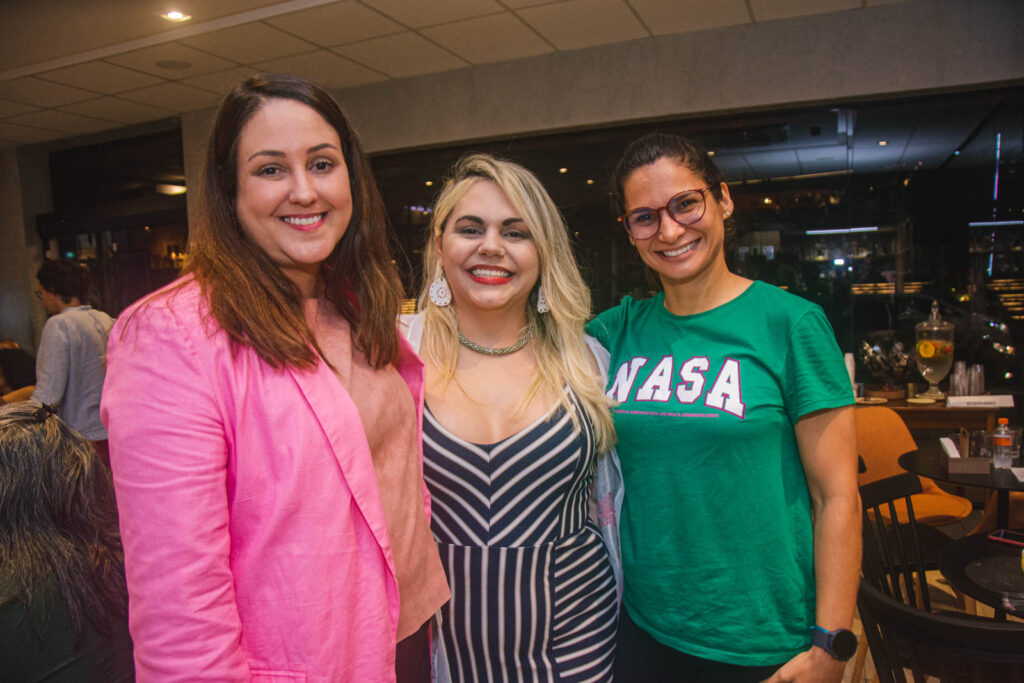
(954, 460)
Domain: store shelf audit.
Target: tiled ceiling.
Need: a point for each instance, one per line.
(72, 67)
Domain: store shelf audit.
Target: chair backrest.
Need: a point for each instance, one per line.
(882, 437)
(893, 552)
(951, 648)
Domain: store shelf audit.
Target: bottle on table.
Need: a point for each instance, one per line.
(1003, 444)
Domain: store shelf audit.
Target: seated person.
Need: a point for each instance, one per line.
(17, 374)
(63, 601)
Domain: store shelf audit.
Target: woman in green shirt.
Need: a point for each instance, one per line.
(740, 524)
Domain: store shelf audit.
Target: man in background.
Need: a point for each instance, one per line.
(71, 362)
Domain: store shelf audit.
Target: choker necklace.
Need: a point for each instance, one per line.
(501, 351)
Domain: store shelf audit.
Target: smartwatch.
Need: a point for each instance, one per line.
(841, 643)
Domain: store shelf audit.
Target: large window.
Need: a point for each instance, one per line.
(871, 210)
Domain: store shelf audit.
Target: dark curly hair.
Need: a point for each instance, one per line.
(65, 278)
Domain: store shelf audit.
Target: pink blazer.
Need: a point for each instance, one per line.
(255, 542)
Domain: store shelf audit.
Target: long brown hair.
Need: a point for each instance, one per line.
(249, 297)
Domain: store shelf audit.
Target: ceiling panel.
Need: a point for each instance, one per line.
(405, 54)
(326, 68)
(663, 17)
(519, 4)
(8, 108)
(116, 109)
(40, 93)
(52, 119)
(768, 10)
(584, 23)
(416, 14)
(177, 60)
(175, 96)
(248, 43)
(102, 77)
(336, 24)
(74, 26)
(489, 39)
(26, 135)
(221, 82)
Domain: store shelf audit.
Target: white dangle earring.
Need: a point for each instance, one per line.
(440, 292)
(542, 301)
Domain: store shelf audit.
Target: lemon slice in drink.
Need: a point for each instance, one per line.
(925, 348)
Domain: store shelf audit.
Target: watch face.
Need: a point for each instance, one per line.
(844, 644)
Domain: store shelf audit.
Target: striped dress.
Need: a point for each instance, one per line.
(533, 593)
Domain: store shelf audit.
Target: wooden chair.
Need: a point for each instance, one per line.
(896, 557)
(882, 437)
(953, 649)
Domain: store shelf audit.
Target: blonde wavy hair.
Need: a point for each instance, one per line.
(563, 356)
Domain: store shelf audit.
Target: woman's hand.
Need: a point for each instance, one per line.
(813, 665)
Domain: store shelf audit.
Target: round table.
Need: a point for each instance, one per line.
(929, 461)
(989, 572)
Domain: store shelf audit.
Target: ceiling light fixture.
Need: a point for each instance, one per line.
(176, 16)
(563, 170)
(171, 189)
(992, 224)
(883, 143)
(841, 231)
(590, 181)
(429, 183)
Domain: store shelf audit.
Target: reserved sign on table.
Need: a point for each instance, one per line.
(994, 401)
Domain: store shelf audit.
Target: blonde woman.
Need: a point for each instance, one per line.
(514, 421)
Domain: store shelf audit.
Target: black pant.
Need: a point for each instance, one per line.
(640, 658)
(412, 657)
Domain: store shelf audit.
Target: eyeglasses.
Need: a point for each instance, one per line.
(686, 208)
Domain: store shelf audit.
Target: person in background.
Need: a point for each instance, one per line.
(63, 603)
(264, 420)
(17, 375)
(741, 517)
(516, 426)
(71, 361)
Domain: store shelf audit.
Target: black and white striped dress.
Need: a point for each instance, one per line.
(533, 593)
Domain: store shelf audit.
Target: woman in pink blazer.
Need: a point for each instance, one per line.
(264, 420)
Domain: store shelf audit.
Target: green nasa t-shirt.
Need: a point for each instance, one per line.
(716, 521)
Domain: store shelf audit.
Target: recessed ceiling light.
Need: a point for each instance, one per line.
(590, 181)
(883, 143)
(429, 183)
(171, 189)
(563, 170)
(175, 15)
(711, 152)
